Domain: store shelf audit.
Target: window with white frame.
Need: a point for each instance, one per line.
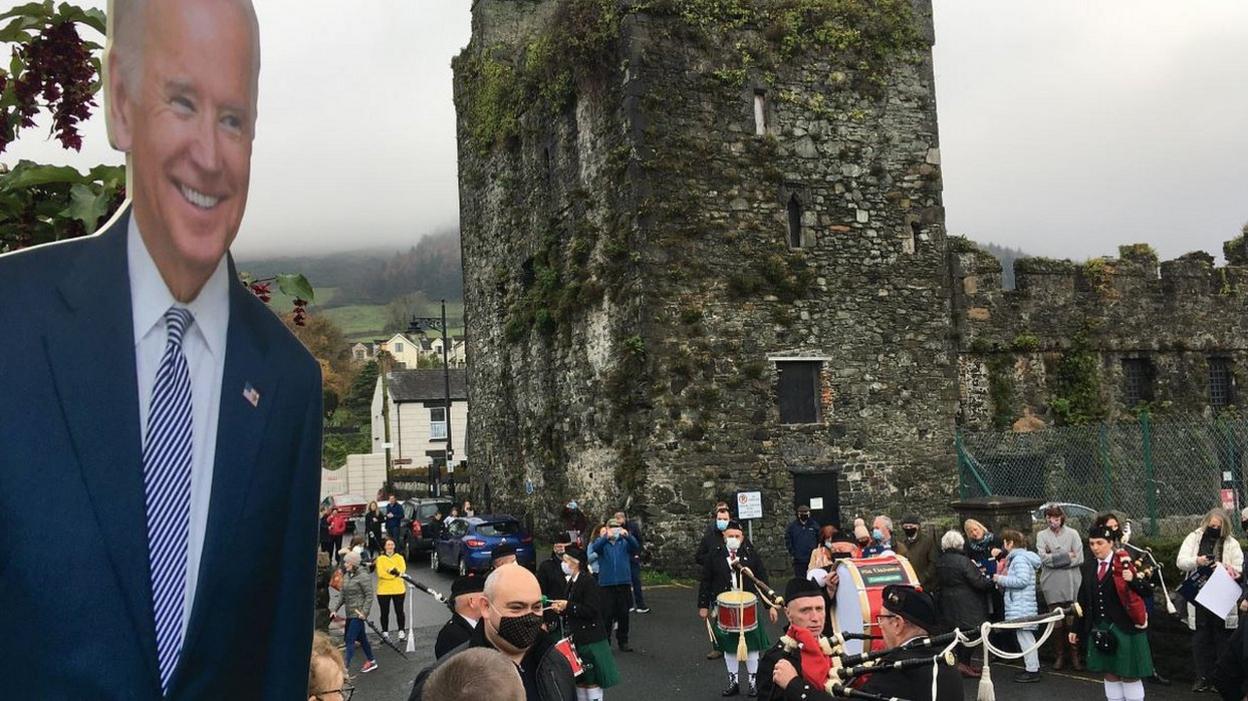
(437, 423)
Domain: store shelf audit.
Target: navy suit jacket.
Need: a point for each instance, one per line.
(74, 573)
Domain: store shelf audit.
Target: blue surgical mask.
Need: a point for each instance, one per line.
(877, 534)
(721, 525)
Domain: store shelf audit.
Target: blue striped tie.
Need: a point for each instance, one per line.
(167, 485)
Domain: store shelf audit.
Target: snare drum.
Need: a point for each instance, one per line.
(567, 648)
(860, 594)
(735, 611)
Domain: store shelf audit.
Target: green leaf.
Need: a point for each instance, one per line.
(16, 31)
(41, 10)
(295, 285)
(246, 278)
(86, 206)
(27, 174)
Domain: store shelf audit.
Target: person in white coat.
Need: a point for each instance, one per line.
(1210, 546)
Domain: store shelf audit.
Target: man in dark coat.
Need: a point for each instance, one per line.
(907, 614)
(804, 608)
(801, 537)
(712, 539)
(465, 607)
(551, 579)
(921, 550)
(512, 624)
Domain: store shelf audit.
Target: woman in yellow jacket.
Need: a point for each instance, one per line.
(391, 589)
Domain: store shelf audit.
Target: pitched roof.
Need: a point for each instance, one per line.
(426, 385)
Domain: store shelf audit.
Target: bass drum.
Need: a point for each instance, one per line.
(860, 595)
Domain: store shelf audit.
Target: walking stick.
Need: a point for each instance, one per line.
(384, 639)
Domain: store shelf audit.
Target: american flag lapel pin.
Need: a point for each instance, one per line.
(251, 395)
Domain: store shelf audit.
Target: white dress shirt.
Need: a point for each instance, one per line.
(203, 345)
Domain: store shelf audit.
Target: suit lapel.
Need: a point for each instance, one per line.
(240, 430)
(92, 359)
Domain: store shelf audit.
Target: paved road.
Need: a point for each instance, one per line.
(669, 662)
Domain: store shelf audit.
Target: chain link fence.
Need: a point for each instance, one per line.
(1166, 472)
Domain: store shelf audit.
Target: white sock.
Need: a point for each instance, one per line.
(582, 694)
(595, 693)
(751, 662)
(1113, 691)
(1133, 691)
(731, 662)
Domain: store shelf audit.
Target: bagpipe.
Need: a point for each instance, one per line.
(425, 589)
(839, 669)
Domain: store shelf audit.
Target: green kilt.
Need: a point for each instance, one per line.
(755, 640)
(1132, 659)
(599, 665)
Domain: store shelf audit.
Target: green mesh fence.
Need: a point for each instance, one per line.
(1164, 471)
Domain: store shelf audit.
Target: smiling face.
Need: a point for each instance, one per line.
(187, 117)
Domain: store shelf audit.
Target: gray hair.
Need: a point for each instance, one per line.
(126, 28)
(888, 522)
(952, 540)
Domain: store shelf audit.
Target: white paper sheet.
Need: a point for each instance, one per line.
(1220, 593)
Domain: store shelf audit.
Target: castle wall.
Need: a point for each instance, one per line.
(1177, 315)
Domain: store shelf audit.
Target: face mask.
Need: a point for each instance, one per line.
(567, 569)
(572, 506)
(1243, 525)
(878, 535)
(721, 525)
(615, 533)
(802, 517)
(827, 544)
(520, 631)
(1055, 523)
(910, 531)
(732, 543)
(1214, 531)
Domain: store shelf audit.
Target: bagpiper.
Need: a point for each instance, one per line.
(1114, 620)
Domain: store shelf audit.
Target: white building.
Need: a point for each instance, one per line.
(418, 423)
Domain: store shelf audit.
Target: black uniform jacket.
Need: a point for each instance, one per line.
(1099, 600)
(711, 538)
(554, 585)
(454, 633)
(914, 684)
(767, 689)
(717, 577)
(583, 617)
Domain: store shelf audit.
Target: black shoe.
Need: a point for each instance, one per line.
(733, 687)
(753, 687)
(1201, 685)
(1158, 680)
(624, 647)
(1027, 677)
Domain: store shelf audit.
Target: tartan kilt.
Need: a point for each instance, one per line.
(1131, 660)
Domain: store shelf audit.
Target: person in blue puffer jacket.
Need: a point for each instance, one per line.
(615, 579)
(1018, 584)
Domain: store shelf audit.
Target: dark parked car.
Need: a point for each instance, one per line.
(418, 515)
(466, 543)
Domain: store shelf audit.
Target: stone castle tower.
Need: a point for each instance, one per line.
(704, 253)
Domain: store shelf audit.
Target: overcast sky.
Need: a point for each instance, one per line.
(1067, 126)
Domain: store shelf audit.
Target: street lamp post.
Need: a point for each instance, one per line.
(418, 326)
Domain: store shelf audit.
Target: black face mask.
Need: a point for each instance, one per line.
(1244, 525)
(802, 518)
(911, 532)
(520, 631)
(1213, 531)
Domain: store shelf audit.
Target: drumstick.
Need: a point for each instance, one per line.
(709, 633)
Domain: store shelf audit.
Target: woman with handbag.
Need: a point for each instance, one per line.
(1111, 597)
(1203, 550)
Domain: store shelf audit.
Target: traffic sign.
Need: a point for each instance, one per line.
(749, 505)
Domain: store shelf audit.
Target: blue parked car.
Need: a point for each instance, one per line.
(466, 543)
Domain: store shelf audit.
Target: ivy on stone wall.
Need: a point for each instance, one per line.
(580, 40)
(1075, 384)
